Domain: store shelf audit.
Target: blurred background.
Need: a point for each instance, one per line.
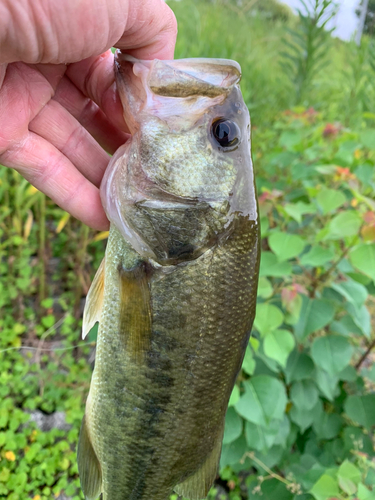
(301, 420)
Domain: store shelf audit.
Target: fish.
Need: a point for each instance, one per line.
(175, 295)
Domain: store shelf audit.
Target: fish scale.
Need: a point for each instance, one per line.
(173, 327)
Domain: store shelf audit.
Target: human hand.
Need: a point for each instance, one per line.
(59, 107)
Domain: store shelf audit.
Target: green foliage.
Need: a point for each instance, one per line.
(307, 45)
(301, 418)
(307, 390)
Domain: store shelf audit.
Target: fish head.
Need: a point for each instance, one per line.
(174, 189)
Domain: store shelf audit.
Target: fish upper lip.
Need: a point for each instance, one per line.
(165, 204)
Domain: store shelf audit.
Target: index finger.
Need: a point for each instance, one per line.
(151, 30)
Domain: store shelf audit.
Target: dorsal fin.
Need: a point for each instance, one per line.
(94, 301)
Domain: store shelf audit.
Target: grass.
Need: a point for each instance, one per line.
(315, 176)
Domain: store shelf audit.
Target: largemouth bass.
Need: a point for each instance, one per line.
(175, 295)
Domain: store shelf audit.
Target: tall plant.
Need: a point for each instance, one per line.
(307, 45)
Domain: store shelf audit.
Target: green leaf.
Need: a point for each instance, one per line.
(330, 199)
(305, 418)
(361, 318)
(328, 425)
(290, 138)
(249, 363)
(304, 394)
(235, 396)
(348, 471)
(278, 344)
(233, 452)
(354, 292)
(367, 138)
(364, 493)
(315, 314)
(361, 409)
(264, 399)
(299, 367)
(286, 246)
(327, 384)
(265, 289)
(269, 266)
(261, 438)
(325, 488)
(297, 210)
(268, 317)
(332, 353)
(233, 426)
(363, 258)
(343, 225)
(317, 256)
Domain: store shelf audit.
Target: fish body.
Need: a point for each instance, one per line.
(175, 295)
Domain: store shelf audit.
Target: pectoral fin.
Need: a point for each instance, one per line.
(94, 301)
(197, 486)
(88, 465)
(135, 312)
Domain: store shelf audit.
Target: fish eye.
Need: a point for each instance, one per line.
(226, 133)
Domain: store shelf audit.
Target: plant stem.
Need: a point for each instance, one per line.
(42, 247)
(364, 355)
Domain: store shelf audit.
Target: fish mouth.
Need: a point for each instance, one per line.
(157, 204)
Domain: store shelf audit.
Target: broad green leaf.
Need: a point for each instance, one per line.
(363, 258)
(285, 245)
(354, 438)
(346, 326)
(269, 266)
(326, 169)
(361, 318)
(290, 138)
(268, 317)
(265, 289)
(347, 470)
(325, 488)
(235, 396)
(315, 314)
(348, 374)
(353, 292)
(332, 353)
(317, 256)
(249, 363)
(233, 452)
(330, 199)
(304, 394)
(273, 489)
(297, 210)
(299, 367)
(327, 383)
(343, 225)
(278, 344)
(361, 409)
(328, 425)
(259, 437)
(264, 399)
(305, 418)
(365, 494)
(233, 426)
(367, 138)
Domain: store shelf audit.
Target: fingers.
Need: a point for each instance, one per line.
(90, 116)
(62, 130)
(151, 30)
(95, 78)
(50, 171)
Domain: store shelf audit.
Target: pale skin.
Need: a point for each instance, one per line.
(60, 113)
